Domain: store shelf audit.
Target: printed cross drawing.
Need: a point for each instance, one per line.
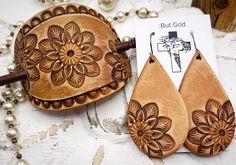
(174, 45)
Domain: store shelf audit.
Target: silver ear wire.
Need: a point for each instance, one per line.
(194, 42)
(152, 34)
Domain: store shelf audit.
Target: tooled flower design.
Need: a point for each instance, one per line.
(148, 130)
(214, 128)
(121, 67)
(27, 56)
(69, 55)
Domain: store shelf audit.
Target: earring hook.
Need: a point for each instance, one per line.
(194, 42)
(152, 34)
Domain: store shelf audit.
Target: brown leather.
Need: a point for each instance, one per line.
(69, 54)
(157, 117)
(211, 115)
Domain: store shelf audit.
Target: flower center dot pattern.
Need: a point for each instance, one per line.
(214, 129)
(149, 130)
(71, 55)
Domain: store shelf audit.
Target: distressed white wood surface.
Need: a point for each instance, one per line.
(97, 134)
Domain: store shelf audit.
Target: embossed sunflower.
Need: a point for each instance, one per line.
(27, 56)
(148, 130)
(69, 55)
(214, 128)
(121, 68)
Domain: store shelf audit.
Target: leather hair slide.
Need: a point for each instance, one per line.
(68, 56)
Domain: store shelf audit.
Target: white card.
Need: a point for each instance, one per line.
(173, 43)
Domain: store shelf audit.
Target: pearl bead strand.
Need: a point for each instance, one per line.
(10, 100)
(5, 47)
(142, 13)
(107, 5)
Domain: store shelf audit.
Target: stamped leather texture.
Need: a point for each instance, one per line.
(69, 54)
(211, 115)
(157, 117)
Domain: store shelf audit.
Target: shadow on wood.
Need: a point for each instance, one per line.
(222, 12)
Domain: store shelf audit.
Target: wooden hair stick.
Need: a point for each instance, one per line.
(20, 76)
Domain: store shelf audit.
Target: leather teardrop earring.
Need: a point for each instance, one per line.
(210, 112)
(157, 116)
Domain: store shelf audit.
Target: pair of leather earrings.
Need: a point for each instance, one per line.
(199, 115)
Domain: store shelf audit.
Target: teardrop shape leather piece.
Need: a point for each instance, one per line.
(157, 116)
(211, 115)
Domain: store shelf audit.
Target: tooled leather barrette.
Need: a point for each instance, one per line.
(68, 56)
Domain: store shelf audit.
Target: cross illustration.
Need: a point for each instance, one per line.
(174, 45)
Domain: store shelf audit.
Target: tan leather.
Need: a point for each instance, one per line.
(69, 54)
(157, 117)
(211, 115)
